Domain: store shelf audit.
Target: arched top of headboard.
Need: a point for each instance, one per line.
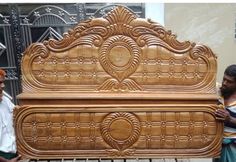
(118, 53)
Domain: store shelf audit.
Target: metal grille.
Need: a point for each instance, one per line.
(23, 24)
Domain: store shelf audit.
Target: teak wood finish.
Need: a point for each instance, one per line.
(118, 87)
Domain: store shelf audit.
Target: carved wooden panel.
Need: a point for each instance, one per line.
(119, 52)
(132, 131)
(118, 87)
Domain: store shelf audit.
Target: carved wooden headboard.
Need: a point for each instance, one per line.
(118, 87)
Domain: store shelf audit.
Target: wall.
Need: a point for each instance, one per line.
(210, 24)
(155, 11)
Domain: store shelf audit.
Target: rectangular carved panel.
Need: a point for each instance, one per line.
(51, 131)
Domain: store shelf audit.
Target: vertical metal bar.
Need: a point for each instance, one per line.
(16, 43)
(80, 7)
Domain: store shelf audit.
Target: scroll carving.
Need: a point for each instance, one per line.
(119, 52)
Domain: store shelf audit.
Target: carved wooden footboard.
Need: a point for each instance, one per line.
(118, 87)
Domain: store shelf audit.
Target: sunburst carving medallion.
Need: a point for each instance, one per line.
(120, 56)
(120, 130)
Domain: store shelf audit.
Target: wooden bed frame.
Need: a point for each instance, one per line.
(118, 87)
